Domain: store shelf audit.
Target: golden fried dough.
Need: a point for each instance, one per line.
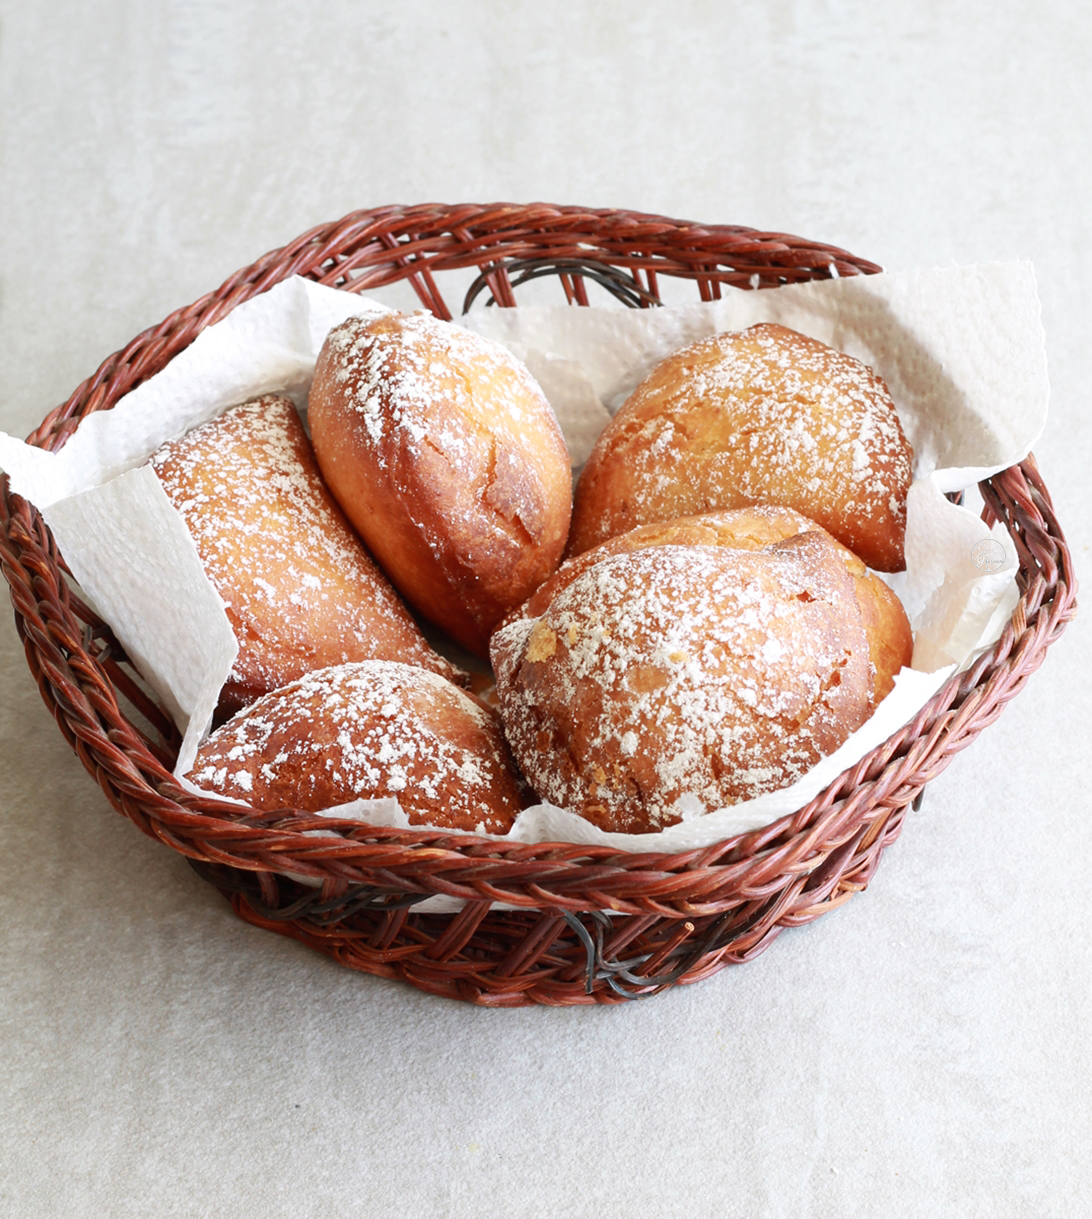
(299, 589)
(684, 671)
(367, 730)
(447, 458)
(762, 416)
(890, 642)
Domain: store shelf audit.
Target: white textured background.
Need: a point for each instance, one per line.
(924, 1051)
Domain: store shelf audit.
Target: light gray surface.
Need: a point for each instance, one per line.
(921, 1052)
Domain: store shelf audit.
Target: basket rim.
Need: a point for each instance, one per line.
(77, 685)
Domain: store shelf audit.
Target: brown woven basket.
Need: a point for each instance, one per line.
(590, 924)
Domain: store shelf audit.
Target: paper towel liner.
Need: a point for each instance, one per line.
(961, 349)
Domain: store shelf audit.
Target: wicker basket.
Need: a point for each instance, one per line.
(590, 924)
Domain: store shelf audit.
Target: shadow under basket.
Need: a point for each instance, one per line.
(584, 924)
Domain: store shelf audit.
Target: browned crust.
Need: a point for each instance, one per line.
(765, 415)
(364, 731)
(448, 460)
(299, 589)
(886, 626)
(684, 670)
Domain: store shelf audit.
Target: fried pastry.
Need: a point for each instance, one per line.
(368, 730)
(448, 460)
(760, 416)
(298, 587)
(703, 672)
(890, 641)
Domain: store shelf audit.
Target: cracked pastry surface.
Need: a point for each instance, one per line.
(448, 460)
(760, 416)
(674, 671)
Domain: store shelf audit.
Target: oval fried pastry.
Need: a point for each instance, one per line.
(299, 589)
(890, 641)
(449, 461)
(677, 671)
(363, 731)
(760, 416)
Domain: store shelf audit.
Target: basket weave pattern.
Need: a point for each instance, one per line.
(589, 924)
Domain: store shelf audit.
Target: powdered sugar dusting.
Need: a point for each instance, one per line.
(299, 589)
(761, 416)
(397, 372)
(367, 730)
(683, 670)
(449, 461)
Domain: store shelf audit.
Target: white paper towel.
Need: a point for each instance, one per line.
(961, 349)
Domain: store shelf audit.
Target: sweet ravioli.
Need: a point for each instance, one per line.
(363, 731)
(890, 641)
